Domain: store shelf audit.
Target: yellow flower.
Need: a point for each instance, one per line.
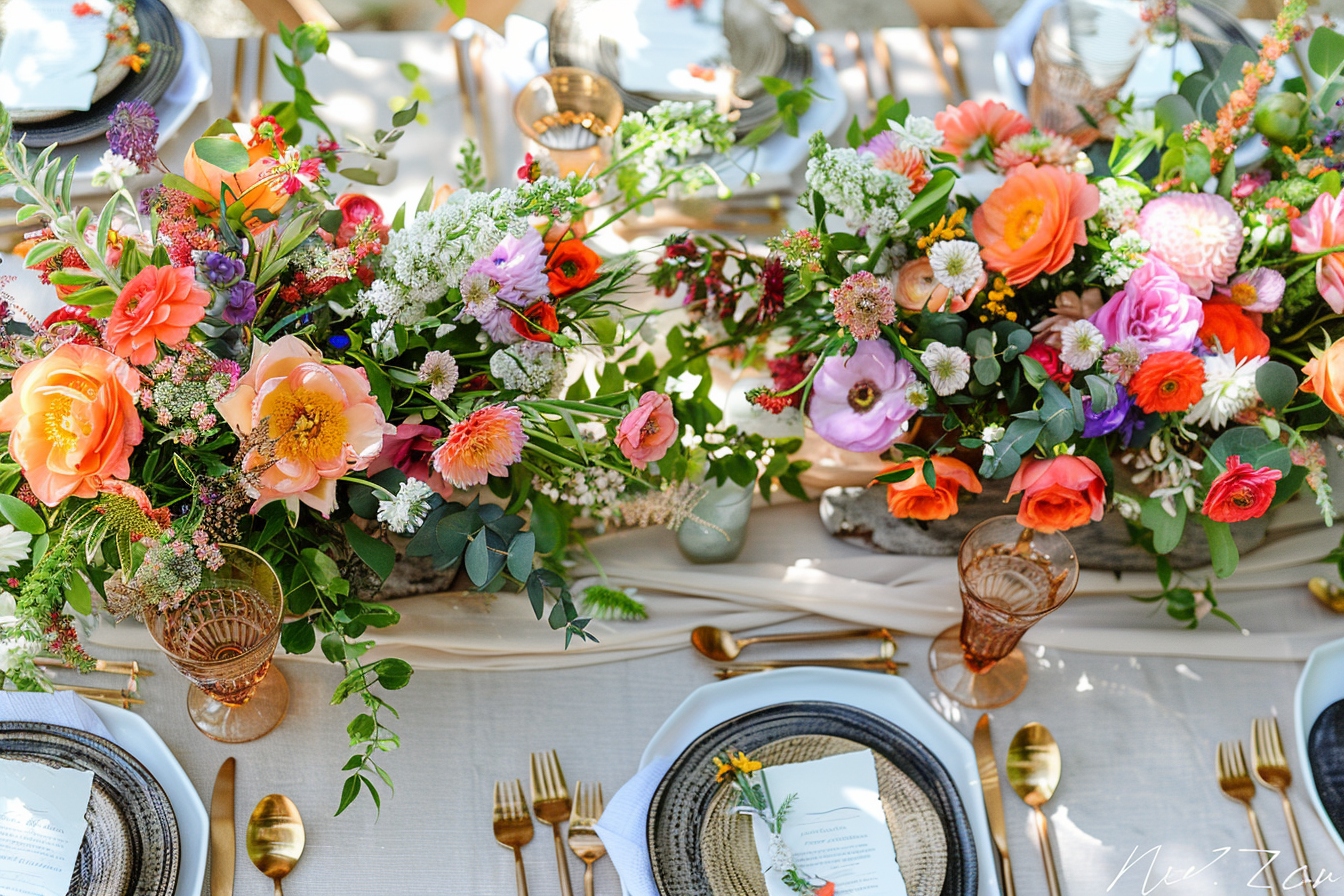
(996, 301)
(723, 771)
(744, 763)
(946, 229)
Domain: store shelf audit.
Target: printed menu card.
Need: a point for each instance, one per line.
(41, 826)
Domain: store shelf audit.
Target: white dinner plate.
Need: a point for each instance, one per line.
(134, 735)
(1321, 684)
(886, 696)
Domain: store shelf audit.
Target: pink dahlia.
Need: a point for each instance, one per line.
(891, 154)
(1198, 234)
(485, 444)
(1320, 229)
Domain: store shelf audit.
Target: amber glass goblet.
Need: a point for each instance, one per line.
(222, 639)
(1011, 579)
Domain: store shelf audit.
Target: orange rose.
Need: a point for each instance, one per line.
(1325, 376)
(157, 305)
(72, 421)
(917, 289)
(912, 499)
(322, 419)
(1059, 493)
(571, 267)
(1030, 224)
(1234, 328)
(248, 186)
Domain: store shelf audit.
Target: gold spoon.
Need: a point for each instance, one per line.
(1033, 771)
(722, 647)
(275, 837)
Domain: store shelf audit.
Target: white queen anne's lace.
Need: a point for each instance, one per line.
(867, 196)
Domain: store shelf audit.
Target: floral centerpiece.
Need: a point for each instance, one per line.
(1138, 344)
(246, 356)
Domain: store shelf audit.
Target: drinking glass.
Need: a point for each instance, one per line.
(222, 638)
(572, 113)
(1011, 578)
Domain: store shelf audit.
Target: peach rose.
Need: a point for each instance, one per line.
(1029, 225)
(248, 186)
(72, 421)
(1325, 376)
(647, 431)
(912, 499)
(157, 305)
(1059, 493)
(917, 290)
(322, 419)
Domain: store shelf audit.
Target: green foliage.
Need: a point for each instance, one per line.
(602, 602)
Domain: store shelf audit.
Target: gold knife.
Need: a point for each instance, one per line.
(989, 784)
(222, 832)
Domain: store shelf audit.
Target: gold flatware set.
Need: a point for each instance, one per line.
(1269, 766)
(125, 697)
(274, 838)
(552, 805)
(724, 647)
(1034, 768)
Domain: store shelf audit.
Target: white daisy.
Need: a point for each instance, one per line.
(918, 133)
(1081, 344)
(1229, 389)
(440, 371)
(13, 547)
(949, 367)
(406, 510)
(918, 396)
(956, 264)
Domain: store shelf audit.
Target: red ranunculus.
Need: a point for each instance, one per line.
(537, 323)
(1048, 355)
(1241, 492)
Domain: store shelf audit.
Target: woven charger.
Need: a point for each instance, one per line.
(697, 849)
(131, 846)
(728, 847)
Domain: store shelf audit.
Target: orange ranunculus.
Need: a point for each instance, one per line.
(966, 125)
(1030, 224)
(537, 322)
(1235, 329)
(72, 421)
(321, 418)
(157, 305)
(1168, 382)
(917, 289)
(248, 186)
(571, 267)
(1325, 376)
(1059, 493)
(912, 499)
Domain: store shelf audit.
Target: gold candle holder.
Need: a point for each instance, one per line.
(572, 114)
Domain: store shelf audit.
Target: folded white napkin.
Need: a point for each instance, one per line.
(61, 708)
(624, 828)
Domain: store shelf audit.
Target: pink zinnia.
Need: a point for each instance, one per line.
(1198, 234)
(890, 154)
(1241, 492)
(485, 444)
(1319, 229)
(966, 125)
(862, 304)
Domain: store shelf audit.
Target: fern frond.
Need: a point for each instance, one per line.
(602, 602)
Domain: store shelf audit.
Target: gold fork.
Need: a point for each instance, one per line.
(583, 839)
(1236, 782)
(513, 826)
(550, 802)
(1271, 768)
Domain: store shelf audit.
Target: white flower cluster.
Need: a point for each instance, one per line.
(1126, 254)
(665, 137)
(858, 190)
(536, 369)
(1119, 208)
(14, 547)
(427, 258)
(113, 170)
(558, 198)
(1229, 389)
(407, 509)
(17, 646)
(596, 490)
